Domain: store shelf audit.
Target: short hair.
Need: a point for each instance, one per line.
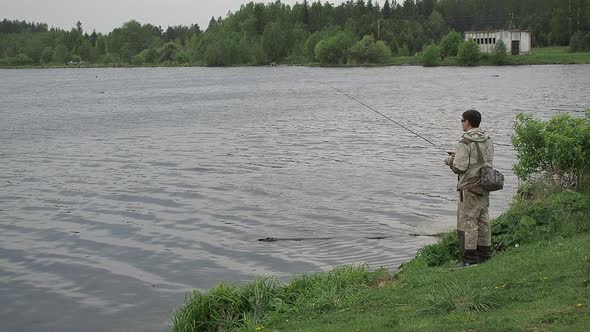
(473, 116)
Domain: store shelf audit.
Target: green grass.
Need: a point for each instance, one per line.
(539, 280)
(550, 55)
(231, 307)
(535, 287)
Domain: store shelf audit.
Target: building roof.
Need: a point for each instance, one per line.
(491, 31)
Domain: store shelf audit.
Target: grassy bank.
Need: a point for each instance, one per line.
(538, 280)
(537, 287)
(538, 56)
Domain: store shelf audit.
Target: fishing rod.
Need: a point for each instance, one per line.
(376, 111)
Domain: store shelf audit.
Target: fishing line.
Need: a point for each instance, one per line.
(404, 127)
(376, 111)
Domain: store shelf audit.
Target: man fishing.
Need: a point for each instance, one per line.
(473, 224)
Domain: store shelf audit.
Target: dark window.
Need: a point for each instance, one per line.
(494, 41)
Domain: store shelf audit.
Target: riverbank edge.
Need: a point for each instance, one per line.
(549, 56)
(540, 281)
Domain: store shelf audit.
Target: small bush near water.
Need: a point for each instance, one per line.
(229, 307)
(469, 53)
(431, 56)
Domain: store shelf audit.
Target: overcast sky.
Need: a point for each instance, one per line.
(105, 15)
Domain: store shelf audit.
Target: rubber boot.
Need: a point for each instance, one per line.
(470, 257)
(484, 253)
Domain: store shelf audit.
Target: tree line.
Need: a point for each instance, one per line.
(308, 32)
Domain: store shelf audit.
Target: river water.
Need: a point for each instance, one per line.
(122, 189)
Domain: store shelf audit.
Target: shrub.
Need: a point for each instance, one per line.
(334, 50)
(431, 56)
(469, 53)
(542, 211)
(167, 52)
(369, 51)
(149, 55)
(23, 59)
(449, 44)
(182, 57)
(499, 55)
(559, 147)
(137, 60)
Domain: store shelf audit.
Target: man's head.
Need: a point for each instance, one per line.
(470, 119)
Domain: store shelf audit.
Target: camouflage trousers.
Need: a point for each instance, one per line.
(473, 225)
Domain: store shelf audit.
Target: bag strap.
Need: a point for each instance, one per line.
(479, 154)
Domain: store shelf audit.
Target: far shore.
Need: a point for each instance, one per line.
(538, 56)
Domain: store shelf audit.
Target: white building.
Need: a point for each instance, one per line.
(518, 42)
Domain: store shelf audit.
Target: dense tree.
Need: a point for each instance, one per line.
(449, 45)
(274, 31)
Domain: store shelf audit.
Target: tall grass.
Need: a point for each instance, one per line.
(243, 307)
(463, 298)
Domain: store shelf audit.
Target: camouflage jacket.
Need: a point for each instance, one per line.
(466, 162)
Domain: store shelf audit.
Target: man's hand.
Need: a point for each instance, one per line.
(449, 160)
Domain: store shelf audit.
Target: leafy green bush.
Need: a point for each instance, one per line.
(182, 57)
(369, 51)
(431, 56)
(167, 52)
(469, 53)
(137, 60)
(543, 211)
(449, 44)
(334, 50)
(23, 59)
(499, 55)
(149, 55)
(559, 147)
